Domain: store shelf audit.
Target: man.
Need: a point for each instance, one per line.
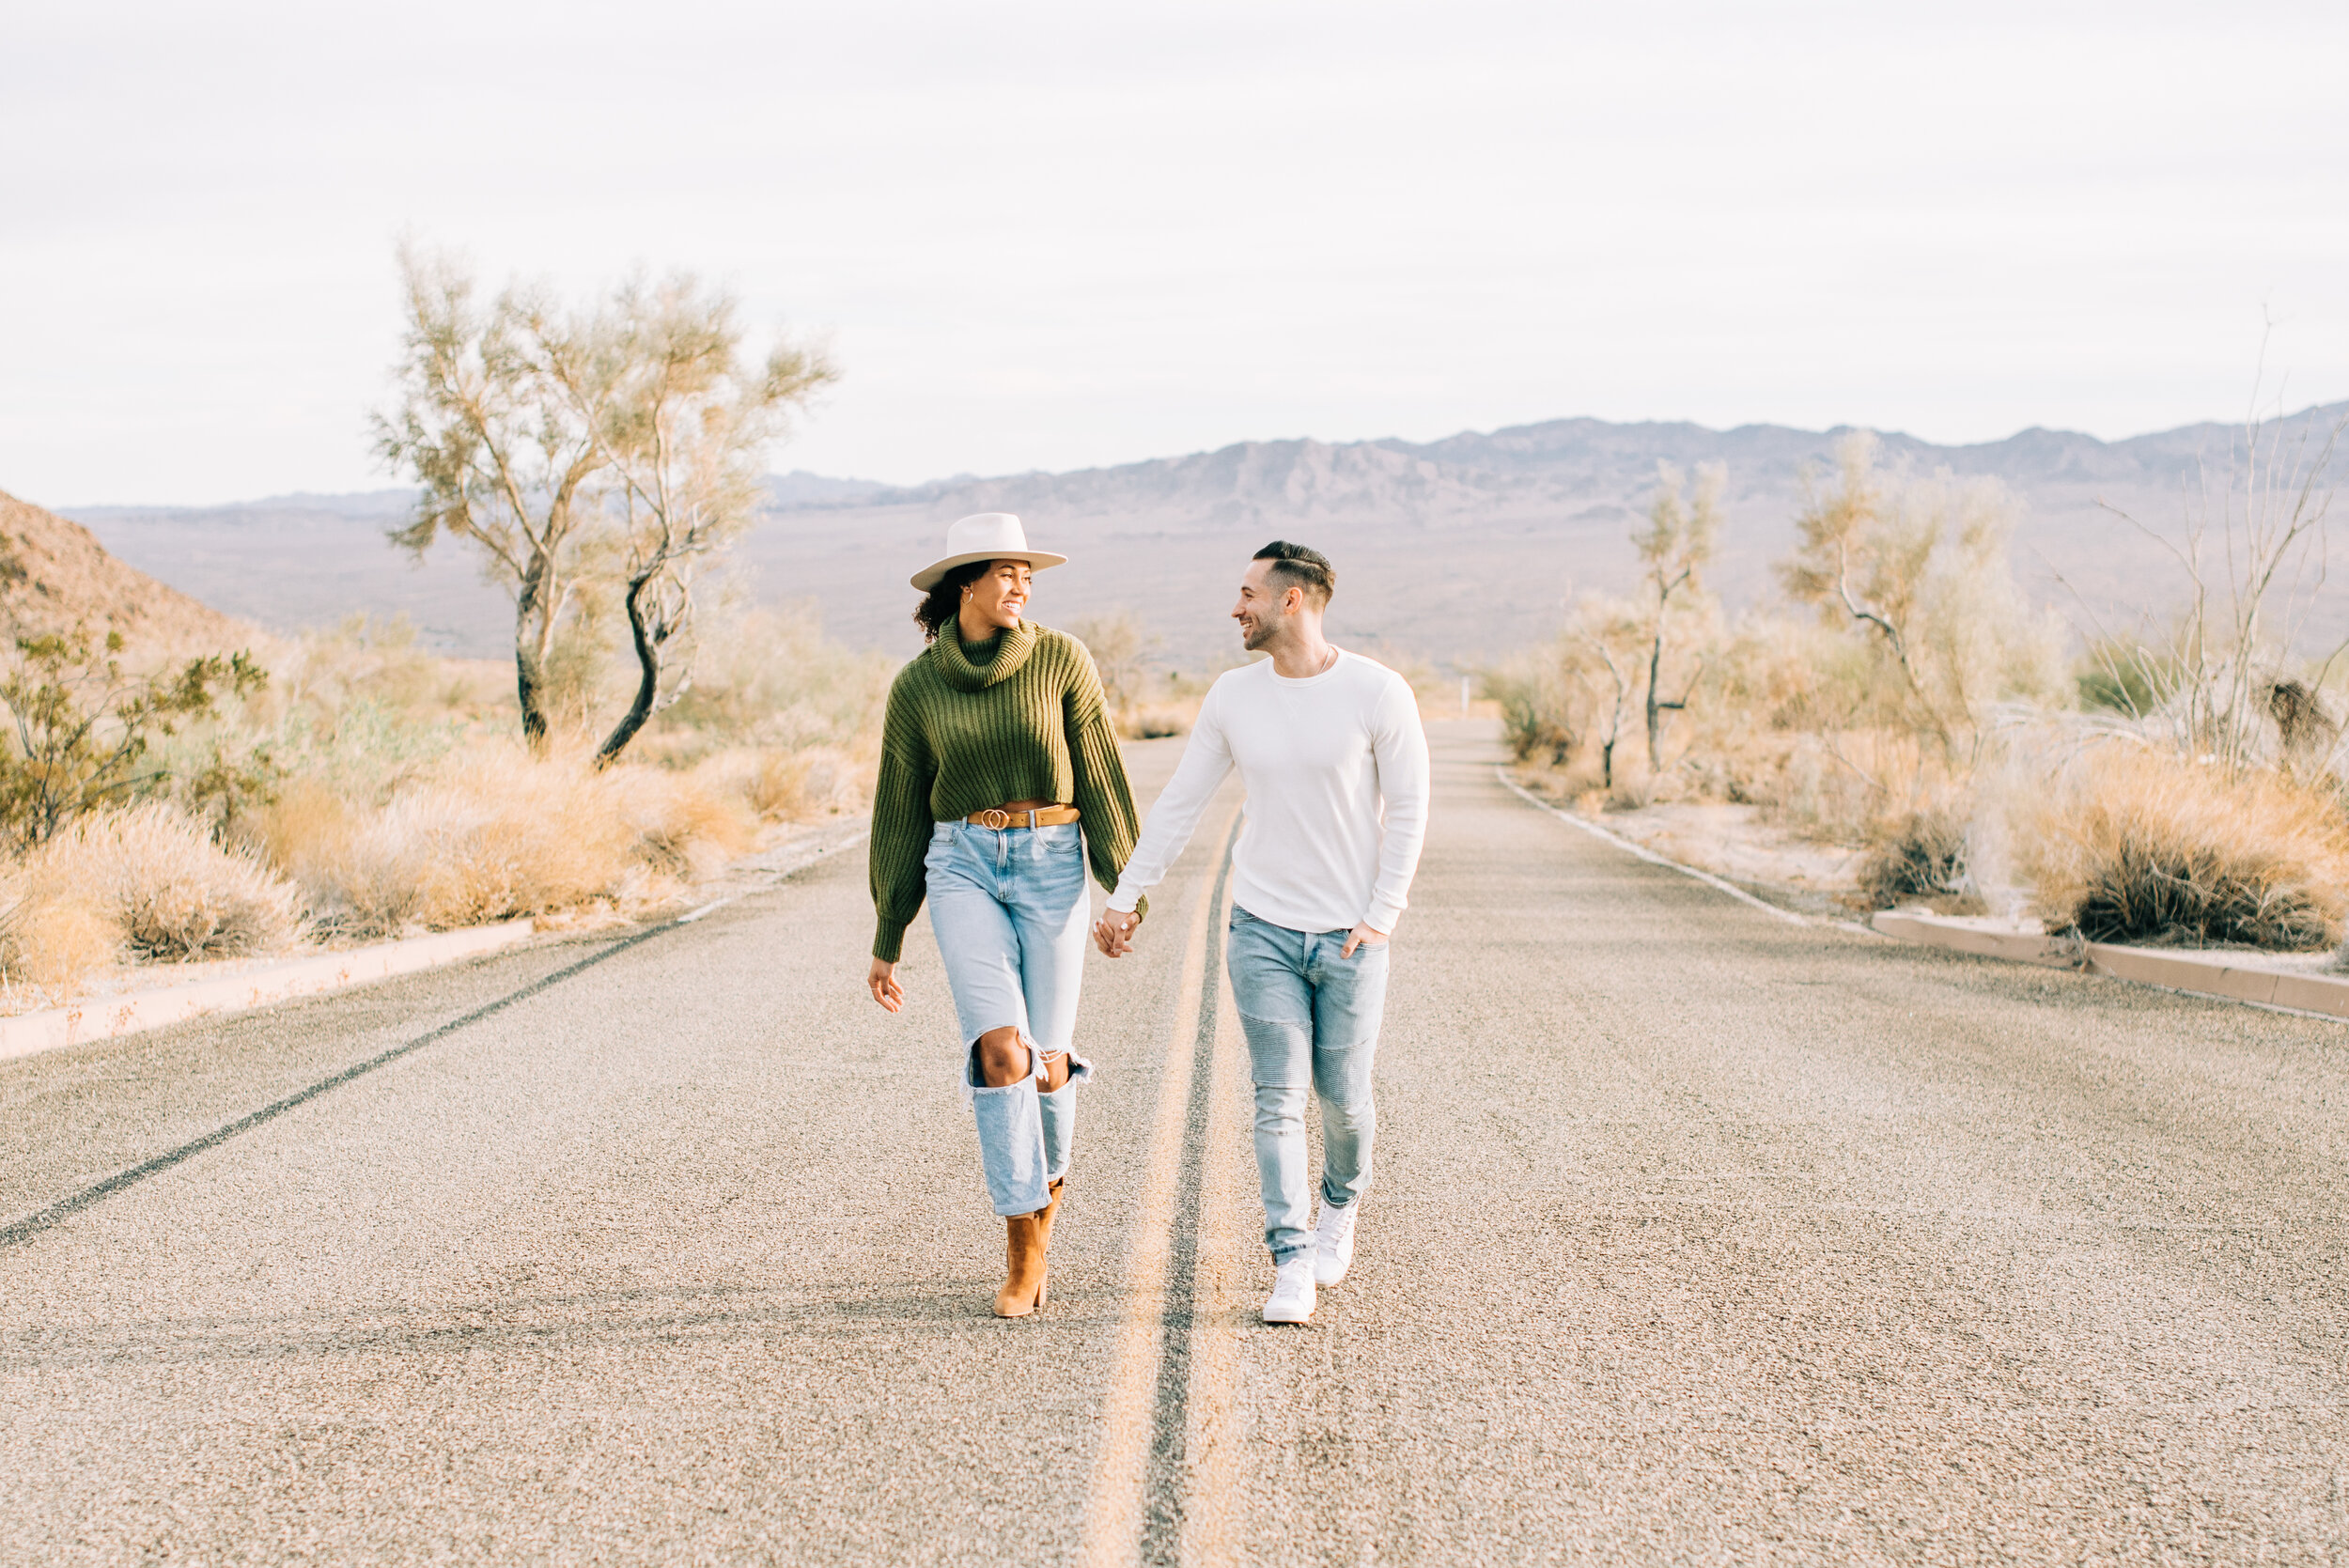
(1330, 748)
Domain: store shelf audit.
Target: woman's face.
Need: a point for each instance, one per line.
(998, 596)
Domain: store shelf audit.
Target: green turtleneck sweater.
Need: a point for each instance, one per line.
(972, 725)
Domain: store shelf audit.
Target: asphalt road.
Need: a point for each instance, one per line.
(1696, 1237)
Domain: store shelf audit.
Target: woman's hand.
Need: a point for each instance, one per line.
(882, 980)
(1113, 933)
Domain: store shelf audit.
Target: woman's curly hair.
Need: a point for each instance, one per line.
(943, 602)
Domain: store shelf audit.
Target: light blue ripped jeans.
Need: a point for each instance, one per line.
(1010, 911)
(1312, 1021)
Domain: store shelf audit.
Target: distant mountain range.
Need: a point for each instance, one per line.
(1454, 551)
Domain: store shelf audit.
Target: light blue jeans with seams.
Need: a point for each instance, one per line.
(1312, 1020)
(1009, 910)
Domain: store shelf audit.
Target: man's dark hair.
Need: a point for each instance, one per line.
(1295, 566)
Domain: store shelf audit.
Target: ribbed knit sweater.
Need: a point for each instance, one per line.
(974, 725)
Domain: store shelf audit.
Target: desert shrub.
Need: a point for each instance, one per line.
(676, 823)
(154, 874)
(2120, 675)
(770, 678)
(358, 711)
(1157, 721)
(81, 724)
(1536, 721)
(2134, 845)
(377, 660)
(1921, 856)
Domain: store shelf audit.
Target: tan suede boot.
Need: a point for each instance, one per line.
(1023, 1287)
(1044, 1227)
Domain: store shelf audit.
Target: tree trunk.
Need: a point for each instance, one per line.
(647, 674)
(1607, 763)
(1655, 707)
(533, 632)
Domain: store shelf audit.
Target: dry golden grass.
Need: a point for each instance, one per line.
(776, 785)
(2134, 845)
(493, 832)
(149, 881)
(52, 939)
(677, 824)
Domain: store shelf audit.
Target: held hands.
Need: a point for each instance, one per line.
(881, 980)
(1113, 933)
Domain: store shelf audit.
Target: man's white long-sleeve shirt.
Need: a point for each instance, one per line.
(1335, 766)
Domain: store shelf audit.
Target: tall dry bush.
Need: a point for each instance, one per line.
(2135, 843)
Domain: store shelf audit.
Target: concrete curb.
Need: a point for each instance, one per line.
(108, 1017)
(2211, 974)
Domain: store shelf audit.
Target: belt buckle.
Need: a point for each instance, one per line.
(995, 817)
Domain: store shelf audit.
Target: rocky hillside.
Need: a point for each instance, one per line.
(55, 576)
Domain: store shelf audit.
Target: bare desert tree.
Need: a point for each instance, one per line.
(483, 422)
(584, 452)
(2253, 559)
(683, 421)
(1674, 547)
(1601, 649)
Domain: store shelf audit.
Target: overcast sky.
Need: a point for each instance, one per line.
(1051, 237)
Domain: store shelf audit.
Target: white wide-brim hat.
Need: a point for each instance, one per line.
(984, 536)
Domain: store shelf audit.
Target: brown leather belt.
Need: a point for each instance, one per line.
(1046, 816)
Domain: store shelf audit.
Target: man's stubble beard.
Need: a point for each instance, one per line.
(1252, 639)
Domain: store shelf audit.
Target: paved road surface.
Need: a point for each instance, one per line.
(1697, 1237)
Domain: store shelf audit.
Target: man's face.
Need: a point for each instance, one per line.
(1264, 606)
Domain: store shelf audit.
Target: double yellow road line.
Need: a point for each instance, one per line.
(1160, 1489)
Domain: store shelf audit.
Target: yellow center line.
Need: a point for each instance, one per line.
(1114, 1504)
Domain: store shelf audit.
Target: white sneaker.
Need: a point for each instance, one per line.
(1333, 1242)
(1292, 1291)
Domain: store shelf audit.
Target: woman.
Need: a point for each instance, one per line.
(996, 748)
